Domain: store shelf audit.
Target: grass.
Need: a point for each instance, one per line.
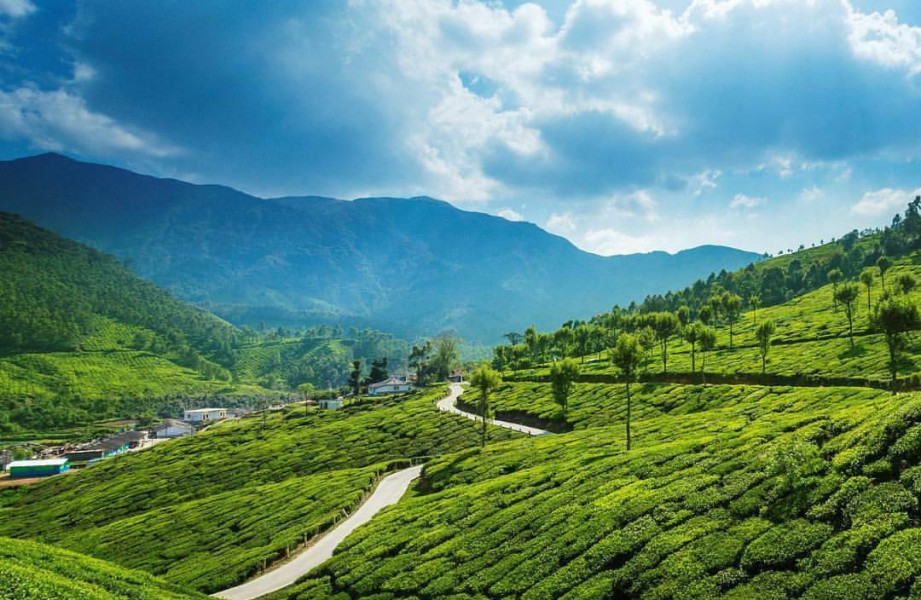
(209, 510)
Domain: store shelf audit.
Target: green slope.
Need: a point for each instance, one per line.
(31, 571)
(206, 511)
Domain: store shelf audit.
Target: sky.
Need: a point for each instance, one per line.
(622, 125)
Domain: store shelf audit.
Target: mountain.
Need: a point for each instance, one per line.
(411, 266)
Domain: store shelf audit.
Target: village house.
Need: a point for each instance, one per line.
(203, 415)
(330, 403)
(172, 428)
(394, 385)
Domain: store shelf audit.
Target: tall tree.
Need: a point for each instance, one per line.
(626, 356)
(684, 315)
(847, 296)
(514, 338)
(894, 317)
(665, 325)
(707, 342)
(563, 374)
(866, 278)
(906, 282)
(583, 335)
(419, 361)
(884, 263)
(484, 380)
(692, 336)
(355, 377)
(732, 304)
(834, 278)
(764, 335)
(705, 314)
(446, 353)
(754, 302)
(716, 306)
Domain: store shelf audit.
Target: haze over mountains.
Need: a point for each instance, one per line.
(411, 266)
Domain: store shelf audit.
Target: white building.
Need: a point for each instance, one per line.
(200, 415)
(173, 428)
(391, 386)
(330, 403)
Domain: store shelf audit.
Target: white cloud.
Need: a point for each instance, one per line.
(884, 201)
(637, 204)
(510, 214)
(742, 202)
(57, 120)
(705, 180)
(812, 194)
(608, 241)
(561, 224)
(879, 37)
(16, 8)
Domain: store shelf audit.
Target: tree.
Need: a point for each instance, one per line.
(716, 306)
(754, 302)
(355, 377)
(626, 356)
(834, 277)
(485, 380)
(866, 278)
(647, 340)
(732, 304)
(692, 336)
(379, 370)
(706, 341)
(583, 334)
(894, 317)
(419, 361)
(705, 314)
(847, 296)
(562, 375)
(884, 263)
(906, 283)
(665, 325)
(514, 338)
(764, 334)
(445, 356)
(531, 340)
(684, 315)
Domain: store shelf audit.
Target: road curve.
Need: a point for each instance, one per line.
(388, 491)
(447, 404)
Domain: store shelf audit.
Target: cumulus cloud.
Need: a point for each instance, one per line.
(510, 214)
(16, 8)
(608, 242)
(59, 121)
(562, 224)
(743, 203)
(883, 202)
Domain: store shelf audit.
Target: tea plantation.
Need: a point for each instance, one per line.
(40, 572)
(206, 511)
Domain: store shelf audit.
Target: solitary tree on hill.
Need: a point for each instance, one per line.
(884, 263)
(665, 325)
(906, 283)
(732, 304)
(563, 374)
(894, 317)
(485, 380)
(764, 335)
(866, 278)
(705, 314)
(626, 356)
(684, 315)
(834, 278)
(707, 342)
(847, 296)
(692, 336)
(754, 302)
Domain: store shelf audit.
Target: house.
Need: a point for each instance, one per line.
(457, 376)
(330, 403)
(204, 415)
(172, 428)
(394, 385)
(38, 468)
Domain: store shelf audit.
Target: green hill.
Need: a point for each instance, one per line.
(39, 572)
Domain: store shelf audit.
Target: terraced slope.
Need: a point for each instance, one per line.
(39, 572)
(210, 510)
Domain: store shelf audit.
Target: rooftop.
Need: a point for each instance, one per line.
(47, 462)
(204, 410)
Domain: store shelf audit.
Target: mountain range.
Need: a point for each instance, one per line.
(413, 266)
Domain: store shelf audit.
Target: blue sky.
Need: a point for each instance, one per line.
(624, 125)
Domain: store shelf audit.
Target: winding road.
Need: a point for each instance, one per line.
(389, 491)
(448, 404)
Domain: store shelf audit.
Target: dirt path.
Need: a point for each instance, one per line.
(388, 491)
(447, 404)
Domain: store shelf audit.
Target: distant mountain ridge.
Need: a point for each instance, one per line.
(411, 266)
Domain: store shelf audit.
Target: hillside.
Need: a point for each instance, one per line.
(206, 511)
(409, 266)
(40, 572)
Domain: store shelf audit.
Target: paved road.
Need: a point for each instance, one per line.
(388, 491)
(447, 404)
